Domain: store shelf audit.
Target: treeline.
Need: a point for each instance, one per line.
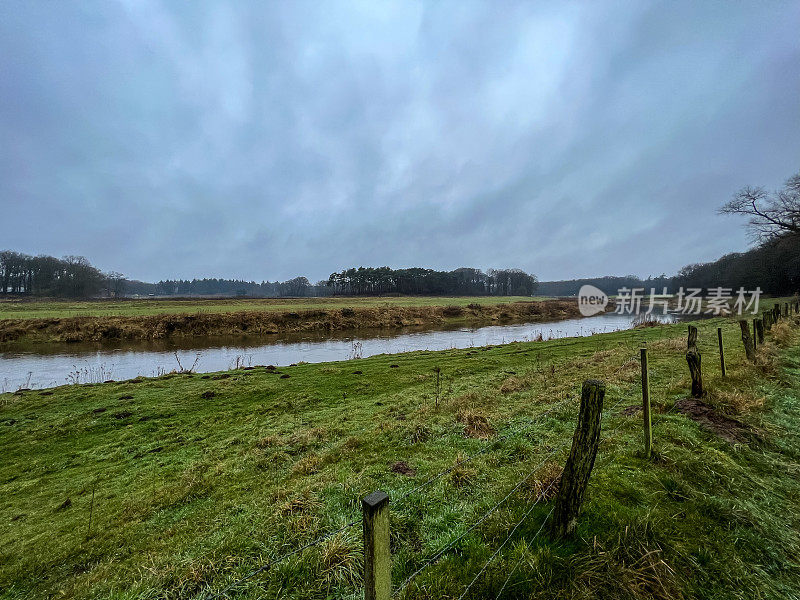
(774, 267)
(369, 281)
(608, 284)
(71, 276)
(297, 287)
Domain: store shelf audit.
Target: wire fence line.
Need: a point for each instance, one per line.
(483, 518)
(435, 558)
(432, 560)
(268, 565)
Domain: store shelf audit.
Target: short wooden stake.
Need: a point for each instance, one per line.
(648, 425)
(377, 556)
(693, 359)
(755, 335)
(760, 330)
(747, 340)
(575, 478)
(721, 351)
(786, 309)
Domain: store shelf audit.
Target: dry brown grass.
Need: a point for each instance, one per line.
(671, 344)
(514, 384)
(476, 425)
(306, 502)
(544, 486)
(150, 327)
(736, 401)
(462, 474)
(341, 562)
(307, 465)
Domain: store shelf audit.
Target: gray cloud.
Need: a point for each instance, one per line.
(254, 140)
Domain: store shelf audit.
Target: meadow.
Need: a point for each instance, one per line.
(56, 309)
(177, 486)
(155, 319)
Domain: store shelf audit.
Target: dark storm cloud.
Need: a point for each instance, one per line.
(270, 140)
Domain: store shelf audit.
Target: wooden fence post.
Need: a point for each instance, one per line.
(755, 335)
(575, 477)
(747, 340)
(377, 556)
(721, 351)
(648, 424)
(760, 330)
(693, 359)
(765, 316)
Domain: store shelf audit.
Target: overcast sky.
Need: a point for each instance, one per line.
(267, 140)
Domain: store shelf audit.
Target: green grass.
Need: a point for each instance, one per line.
(15, 309)
(191, 493)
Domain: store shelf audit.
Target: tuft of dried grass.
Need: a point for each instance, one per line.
(677, 344)
(782, 334)
(476, 425)
(544, 486)
(341, 562)
(307, 465)
(462, 474)
(629, 567)
(513, 384)
(736, 401)
(306, 502)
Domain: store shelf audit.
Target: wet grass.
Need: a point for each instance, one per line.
(36, 309)
(191, 481)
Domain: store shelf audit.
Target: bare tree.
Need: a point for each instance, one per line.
(772, 214)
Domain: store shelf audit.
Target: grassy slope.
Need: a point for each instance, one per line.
(106, 308)
(193, 492)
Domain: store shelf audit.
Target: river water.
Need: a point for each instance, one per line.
(49, 365)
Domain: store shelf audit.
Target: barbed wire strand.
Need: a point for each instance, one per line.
(491, 558)
(280, 559)
(519, 562)
(508, 537)
(485, 516)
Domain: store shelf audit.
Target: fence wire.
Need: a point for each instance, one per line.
(280, 559)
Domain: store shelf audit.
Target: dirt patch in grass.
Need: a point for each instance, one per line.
(730, 430)
(401, 467)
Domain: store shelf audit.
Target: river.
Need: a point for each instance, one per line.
(49, 365)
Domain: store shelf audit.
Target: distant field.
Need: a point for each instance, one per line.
(24, 309)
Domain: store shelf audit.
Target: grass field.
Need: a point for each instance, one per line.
(17, 309)
(191, 481)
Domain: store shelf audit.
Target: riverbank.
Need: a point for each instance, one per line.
(192, 481)
(248, 320)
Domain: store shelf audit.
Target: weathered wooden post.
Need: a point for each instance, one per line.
(693, 359)
(755, 335)
(648, 424)
(575, 477)
(760, 330)
(785, 309)
(377, 557)
(721, 351)
(747, 340)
